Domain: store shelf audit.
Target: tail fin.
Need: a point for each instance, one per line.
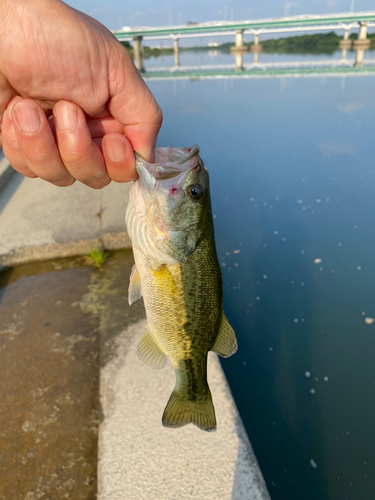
(180, 411)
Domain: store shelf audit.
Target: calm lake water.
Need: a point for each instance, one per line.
(293, 191)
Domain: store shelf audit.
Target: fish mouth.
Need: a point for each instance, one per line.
(169, 162)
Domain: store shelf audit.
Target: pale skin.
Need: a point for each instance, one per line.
(72, 105)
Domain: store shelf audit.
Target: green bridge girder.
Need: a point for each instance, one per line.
(259, 73)
(297, 21)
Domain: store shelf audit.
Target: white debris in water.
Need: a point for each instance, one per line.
(292, 282)
(369, 321)
(240, 243)
(271, 348)
(326, 379)
(265, 246)
(265, 203)
(327, 199)
(307, 374)
(312, 391)
(320, 269)
(302, 320)
(214, 216)
(355, 227)
(257, 298)
(318, 261)
(303, 208)
(359, 268)
(236, 264)
(276, 232)
(251, 199)
(299, 201)
(250, 304)
(318, 200)
(296, 320)
(332, 271)
(313, 211)
(236, 252)
(247, 312)
(284, 239)
(244, 363)
(363, 313)
(303, 252)
(223, 264)
(302, 283)
(313, 463)
(255, 205)
(264, 276)
(340, 244)
(227, 253)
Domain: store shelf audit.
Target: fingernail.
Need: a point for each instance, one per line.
(27, 117)
(66, 115)
(115, 149)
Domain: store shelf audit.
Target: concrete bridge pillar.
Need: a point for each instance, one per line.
(362, 42)
(346, 43)
(138, 53)
(256, 47)
(176, 51)
(239, 46)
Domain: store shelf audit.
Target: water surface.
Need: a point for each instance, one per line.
(293, 191)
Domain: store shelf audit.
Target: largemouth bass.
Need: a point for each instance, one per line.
(169, 221)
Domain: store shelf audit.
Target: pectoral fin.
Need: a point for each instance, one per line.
(135, 292)
(226, 343)
(150, 353)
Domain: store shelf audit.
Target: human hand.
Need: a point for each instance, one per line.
(56, 62)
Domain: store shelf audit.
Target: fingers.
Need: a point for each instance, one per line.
(80, 155)
(29, 144)
(68, 149)
(119, 158)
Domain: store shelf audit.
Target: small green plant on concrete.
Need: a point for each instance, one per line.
(97, 257)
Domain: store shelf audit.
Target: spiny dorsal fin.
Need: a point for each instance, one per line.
(135, 292)
(150, 353)
(226, 343)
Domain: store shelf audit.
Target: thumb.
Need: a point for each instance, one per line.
(132, 104)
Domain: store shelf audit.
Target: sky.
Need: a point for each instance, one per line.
(117, 13)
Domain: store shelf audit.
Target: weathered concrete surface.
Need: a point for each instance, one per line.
(49, 384)
(140, 459)
(40, 221)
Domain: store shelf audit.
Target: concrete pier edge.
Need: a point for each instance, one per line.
(39, 221)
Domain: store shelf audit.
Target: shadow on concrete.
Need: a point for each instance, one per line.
(12, 186)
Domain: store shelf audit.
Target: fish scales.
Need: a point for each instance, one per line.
(176, 270)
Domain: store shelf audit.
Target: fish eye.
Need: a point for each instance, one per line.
(195, 192)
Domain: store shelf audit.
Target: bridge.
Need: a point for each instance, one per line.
(343, 21)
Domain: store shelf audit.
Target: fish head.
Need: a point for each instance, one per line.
(176, 193)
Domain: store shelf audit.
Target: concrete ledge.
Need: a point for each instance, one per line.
(39, 221)
(6, 172)
(140, 459)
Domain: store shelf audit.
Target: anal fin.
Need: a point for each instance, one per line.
(226, 343)
(150, 353)
(134, 292)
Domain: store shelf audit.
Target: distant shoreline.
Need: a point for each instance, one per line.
(320, 43)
